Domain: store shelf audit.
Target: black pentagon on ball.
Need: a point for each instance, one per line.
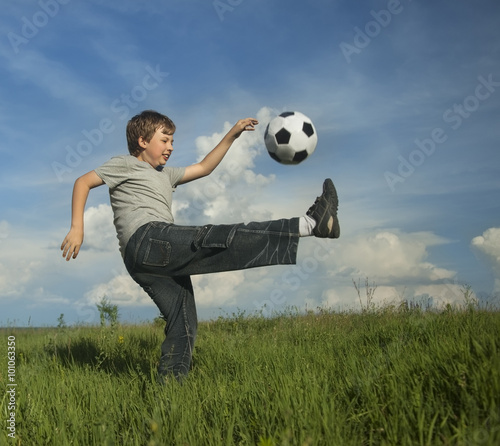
(283, 136)
(285, 114)
(308, 129)
(300, 156)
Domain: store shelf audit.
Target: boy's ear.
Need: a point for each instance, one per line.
(142, 142)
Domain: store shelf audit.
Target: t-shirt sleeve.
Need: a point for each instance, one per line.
(175, 174)
(113, 172)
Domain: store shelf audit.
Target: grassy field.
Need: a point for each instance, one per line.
(391, 376)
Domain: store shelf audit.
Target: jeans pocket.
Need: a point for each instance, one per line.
(215, 236)
(157, 253)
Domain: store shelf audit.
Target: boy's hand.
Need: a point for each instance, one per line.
(243, 125)
(72, 243)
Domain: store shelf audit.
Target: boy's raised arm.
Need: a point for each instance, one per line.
(212, 160)
(74, 239)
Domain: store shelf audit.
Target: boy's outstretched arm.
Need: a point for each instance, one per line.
(73, 241)
(211, 161)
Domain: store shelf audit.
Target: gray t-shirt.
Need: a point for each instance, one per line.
(139, 193)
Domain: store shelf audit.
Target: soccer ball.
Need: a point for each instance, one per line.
(290, 138)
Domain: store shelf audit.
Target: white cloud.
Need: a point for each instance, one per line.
(387, 255)
(40, 297)
(4, 229)
(488, 245)
(212, 290)
(231, 192)
(33, 271)
(121, 290)
(333, 297)
(15, 274)
(396, 263)
(21, 259)
(393, 262)
(100, 233)
(442, 294)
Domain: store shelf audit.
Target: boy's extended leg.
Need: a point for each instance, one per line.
(163, 249)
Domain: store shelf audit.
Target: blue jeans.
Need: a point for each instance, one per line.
(161, 257)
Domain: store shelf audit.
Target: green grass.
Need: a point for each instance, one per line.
(381, 377)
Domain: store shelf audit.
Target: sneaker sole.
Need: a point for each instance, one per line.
(332, 225)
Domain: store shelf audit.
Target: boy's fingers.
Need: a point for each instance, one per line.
(70, 249)
(70, 253)
(67, 251)
(250, 123)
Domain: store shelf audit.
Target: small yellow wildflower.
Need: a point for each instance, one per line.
(120, 339)
(154, 426)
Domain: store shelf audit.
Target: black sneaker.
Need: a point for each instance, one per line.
(324, 212)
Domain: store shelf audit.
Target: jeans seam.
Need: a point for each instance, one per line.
(266, 232)
(139, 243)
(187, 349)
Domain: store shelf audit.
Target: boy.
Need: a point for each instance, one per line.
(161, 256)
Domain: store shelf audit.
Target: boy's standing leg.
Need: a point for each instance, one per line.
(175, 299)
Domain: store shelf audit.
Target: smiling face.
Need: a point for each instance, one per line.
(157, 151)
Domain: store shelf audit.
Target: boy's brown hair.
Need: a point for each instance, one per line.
(145, 124)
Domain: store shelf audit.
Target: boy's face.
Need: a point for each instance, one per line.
(157, 151)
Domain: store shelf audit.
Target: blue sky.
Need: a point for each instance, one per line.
(405, 96)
